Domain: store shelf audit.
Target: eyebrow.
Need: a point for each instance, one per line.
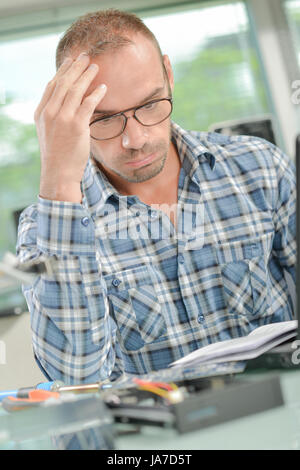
(152, 95)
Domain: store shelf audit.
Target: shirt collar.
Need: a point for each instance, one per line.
(193, 149)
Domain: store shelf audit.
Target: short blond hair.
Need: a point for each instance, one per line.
(102, 31)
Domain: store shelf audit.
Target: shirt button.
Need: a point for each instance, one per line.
(255, 250)
(153, 215)
(116, 282)
(200, 318)
(181, 259)
(85, 221)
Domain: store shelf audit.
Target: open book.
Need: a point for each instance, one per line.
(253, 345)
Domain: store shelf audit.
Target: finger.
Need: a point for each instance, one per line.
(77, 91)
(65, 81)
(89, 103)
(51, 86)
(65, 65)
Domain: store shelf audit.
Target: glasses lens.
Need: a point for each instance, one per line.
(107, 128)
(148, 115)
(154, 112)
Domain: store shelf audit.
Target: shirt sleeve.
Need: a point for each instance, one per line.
(284, 213)
(73, 334)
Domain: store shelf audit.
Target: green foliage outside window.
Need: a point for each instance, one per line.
(19, 173)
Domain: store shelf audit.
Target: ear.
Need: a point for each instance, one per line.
(169, 70)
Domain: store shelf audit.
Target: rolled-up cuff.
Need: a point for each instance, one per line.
(64, 228)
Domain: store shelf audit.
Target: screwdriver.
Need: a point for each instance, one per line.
(15, 400)
(84, 388)
(32, 398)
(23, 392)
(56, 386)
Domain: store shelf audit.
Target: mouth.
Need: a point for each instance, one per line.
(145, 161)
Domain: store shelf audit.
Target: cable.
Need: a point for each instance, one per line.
(164, 390)
(163, 385)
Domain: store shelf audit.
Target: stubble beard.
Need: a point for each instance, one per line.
(138, 175)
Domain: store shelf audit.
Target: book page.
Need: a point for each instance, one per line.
(251, 354)
(256, 339)
(273, 329)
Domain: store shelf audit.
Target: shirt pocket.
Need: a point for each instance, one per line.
(244, 276)
(135, 307)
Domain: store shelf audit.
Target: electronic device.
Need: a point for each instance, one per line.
(192, 404)
(261, 126)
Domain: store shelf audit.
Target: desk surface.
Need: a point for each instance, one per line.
(277, 428)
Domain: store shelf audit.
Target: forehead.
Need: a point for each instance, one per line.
(130, 74)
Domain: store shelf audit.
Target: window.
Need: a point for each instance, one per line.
(292, 9)
(218, 76)
(25, 70)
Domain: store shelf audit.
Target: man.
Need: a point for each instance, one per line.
(165, 240)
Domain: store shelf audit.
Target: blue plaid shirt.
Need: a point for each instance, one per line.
(133, 292)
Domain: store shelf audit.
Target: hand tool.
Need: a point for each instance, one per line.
(32, 398)
(22, 392)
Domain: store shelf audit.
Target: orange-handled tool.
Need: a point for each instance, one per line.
(32, 398)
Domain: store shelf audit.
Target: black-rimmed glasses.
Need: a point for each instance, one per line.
(149, 114)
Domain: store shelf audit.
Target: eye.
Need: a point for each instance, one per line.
(150, 106)
(104, 122)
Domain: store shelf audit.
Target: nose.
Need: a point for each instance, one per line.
(134, 135)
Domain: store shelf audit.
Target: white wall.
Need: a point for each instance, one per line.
(20, 368)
